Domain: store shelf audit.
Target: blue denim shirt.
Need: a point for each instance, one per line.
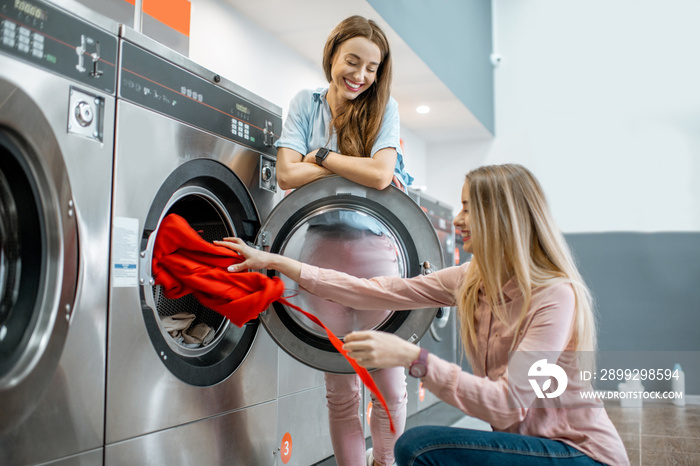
(308, 123)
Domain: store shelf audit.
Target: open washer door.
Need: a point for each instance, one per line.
(335, 223)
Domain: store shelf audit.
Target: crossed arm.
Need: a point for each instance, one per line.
(295, 169)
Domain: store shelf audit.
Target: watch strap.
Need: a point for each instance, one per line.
(419, 367)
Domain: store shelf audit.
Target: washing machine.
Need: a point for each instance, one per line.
(57, 101)
(188, 142)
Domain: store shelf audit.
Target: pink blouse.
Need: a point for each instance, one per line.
(485, 394)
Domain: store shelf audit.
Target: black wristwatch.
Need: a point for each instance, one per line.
(419, 367)
(321, 155)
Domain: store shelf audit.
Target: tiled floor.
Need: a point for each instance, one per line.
(655, 435)
(659, 434)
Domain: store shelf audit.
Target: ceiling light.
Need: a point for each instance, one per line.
(422, 109)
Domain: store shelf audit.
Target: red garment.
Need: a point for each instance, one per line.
(184, 263)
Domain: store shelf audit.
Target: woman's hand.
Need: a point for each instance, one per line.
(380, 349)
(256, 259)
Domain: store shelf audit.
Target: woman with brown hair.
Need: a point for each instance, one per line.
(350, 129)
(522, 307)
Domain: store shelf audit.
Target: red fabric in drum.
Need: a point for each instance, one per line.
(184, 263)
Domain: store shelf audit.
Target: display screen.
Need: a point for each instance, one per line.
(243, 108)
(31, 10)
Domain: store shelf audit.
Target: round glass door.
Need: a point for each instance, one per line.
(38, 256)
(195, 343)
(20, 244)
(334, 223)
(350, 240)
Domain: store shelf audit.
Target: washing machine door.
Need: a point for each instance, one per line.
(338, 224)
(38, 255)
(216, 204)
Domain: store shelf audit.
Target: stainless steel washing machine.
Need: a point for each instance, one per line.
(192, 143)
(57, 88)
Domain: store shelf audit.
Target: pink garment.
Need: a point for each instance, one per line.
(360, 253)
(485, 393)
(344, 398)
(364, 254)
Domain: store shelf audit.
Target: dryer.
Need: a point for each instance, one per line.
(57, 88)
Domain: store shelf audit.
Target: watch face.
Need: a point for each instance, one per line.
(321, 155)
(417, 369)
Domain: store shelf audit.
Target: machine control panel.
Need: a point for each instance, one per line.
(162, 86)
(50, 38)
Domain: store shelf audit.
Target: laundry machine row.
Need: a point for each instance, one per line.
(57, 100)
(90, 363)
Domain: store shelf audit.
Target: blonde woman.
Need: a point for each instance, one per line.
(521, 292)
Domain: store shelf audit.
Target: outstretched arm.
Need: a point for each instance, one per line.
(378, 293)
(256, 259)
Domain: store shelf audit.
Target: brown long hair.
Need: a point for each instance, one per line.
(357, 124)
(513, 234)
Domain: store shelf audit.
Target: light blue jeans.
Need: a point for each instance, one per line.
(438, 445)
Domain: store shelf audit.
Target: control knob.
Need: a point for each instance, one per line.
(83, 113)
(266, 173)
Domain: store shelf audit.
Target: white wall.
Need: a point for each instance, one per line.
(225, 41)
(601, 99)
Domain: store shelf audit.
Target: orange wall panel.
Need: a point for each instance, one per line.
(173, 13)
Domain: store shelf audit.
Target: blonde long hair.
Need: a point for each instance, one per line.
(357, 124)
(514, 235)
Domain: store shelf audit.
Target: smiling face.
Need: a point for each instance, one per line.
(461, 221)
(353, 70)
